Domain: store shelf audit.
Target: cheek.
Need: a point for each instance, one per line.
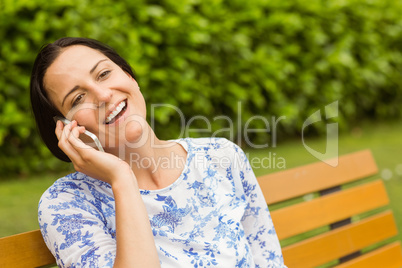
(133, 134)
(87, 117)
(84, 114)
(139, 104)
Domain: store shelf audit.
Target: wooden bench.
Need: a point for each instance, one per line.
(334, 207)
(24, 250)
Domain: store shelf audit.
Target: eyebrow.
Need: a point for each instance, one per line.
(96, 65)
(77, 87)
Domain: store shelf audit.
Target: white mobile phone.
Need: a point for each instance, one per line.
(87, 133)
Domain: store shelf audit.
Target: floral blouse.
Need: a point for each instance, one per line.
(213, 215)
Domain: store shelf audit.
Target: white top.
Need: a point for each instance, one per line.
(213, 215)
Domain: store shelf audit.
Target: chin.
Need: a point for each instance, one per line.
(136, 134)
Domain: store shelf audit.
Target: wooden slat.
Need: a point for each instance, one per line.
(315, 177)
(389, 256)
(24, 250)
(340, 242)
(328, 209)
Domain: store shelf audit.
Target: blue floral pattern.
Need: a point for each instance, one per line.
(213, 215)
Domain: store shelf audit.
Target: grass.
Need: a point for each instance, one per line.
(19, 197)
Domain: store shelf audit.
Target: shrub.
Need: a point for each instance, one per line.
(278, 58)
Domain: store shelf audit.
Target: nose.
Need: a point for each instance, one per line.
(102, 95)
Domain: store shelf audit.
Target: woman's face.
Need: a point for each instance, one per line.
(88, 87)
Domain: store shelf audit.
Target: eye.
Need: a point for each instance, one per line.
(104, 74)
(78, 100)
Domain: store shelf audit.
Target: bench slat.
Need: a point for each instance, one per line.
(317, 176)
(24, 250)
(340, 242)
(303, 217)
(388, 256)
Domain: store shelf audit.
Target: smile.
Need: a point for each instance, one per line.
(116, 113)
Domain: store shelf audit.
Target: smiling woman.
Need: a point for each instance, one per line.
(98, 94)
(120, 211)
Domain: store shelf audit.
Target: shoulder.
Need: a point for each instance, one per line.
(73, 196)
(72, 186)
(219, 151)
(73, 213)
(213, 144)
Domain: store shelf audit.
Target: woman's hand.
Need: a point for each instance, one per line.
(96, 164)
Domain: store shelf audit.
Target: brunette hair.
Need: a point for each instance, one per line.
(43, 108)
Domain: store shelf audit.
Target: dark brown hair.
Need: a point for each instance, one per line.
(42, 107)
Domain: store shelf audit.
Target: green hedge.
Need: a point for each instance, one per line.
(279, 58)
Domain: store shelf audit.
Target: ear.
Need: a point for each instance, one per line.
(132, 78)
(128, 75)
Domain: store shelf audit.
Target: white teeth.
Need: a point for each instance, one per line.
(116, 111)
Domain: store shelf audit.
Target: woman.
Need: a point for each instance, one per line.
(144, 202)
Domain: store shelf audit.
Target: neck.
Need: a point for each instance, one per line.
(155, 163)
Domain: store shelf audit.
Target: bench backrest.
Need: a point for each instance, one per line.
(334, 207)
(339, 240)
(24, 250)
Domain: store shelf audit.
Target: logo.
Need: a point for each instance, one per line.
(330, 156)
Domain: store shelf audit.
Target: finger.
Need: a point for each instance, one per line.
(65, 133)
(64, 143)
(59, 129)
(75, 141)
(76, 130)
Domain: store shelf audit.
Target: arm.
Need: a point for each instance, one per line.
(135, 244)
(257, 223)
